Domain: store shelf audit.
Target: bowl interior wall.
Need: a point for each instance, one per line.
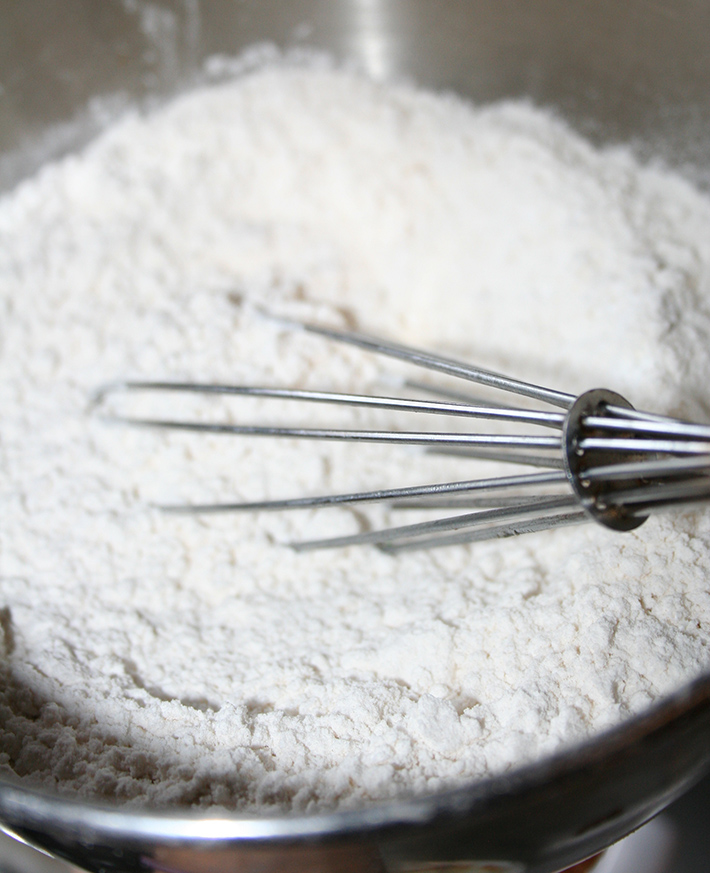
(631, 71)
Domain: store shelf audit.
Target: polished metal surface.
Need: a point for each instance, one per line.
(635, 71)
(539, 818)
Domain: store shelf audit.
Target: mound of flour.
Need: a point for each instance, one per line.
(163, 659)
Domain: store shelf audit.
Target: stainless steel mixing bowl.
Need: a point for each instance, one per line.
(637, 71)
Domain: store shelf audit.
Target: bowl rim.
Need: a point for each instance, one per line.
(35, 808)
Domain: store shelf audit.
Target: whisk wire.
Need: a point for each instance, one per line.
(475, 486)
(492, 532)
(526, 509)
(431, 361)
(607, 462)
(398, 404)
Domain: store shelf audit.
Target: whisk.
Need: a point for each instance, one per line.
(601, 459)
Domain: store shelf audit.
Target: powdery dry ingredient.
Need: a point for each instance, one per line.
(176, 660)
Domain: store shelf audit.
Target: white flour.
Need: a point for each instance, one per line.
(166, 659)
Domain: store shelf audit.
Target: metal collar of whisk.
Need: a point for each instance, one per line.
(597, 495)
(606, 462)
(624, 464)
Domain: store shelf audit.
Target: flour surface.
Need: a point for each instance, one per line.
(170, 660)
